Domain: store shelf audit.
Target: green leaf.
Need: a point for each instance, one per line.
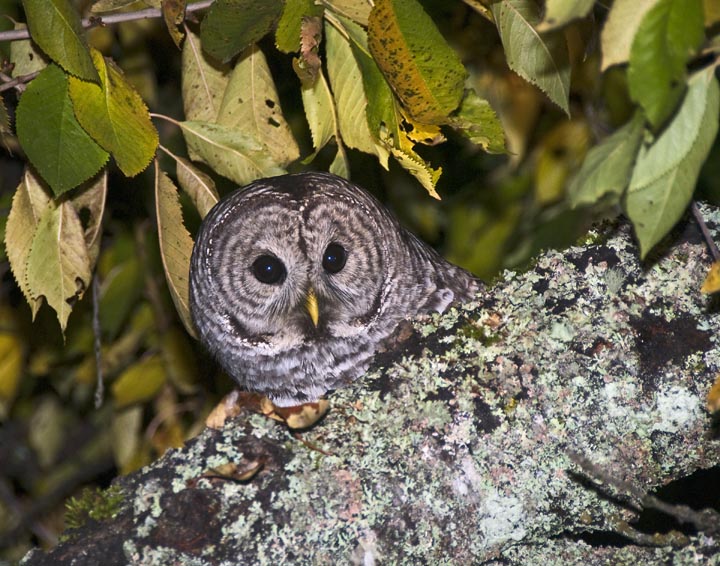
(349, 95)
(175, 245)
(620, 28)
(232, 153)
(121, 288)
(666, 171)
(560, 12)
(58, 265)
(55, 143)
(541, 59)
(669, 33)
(251, 104)
(423, 70)
(203, 82)
(381, 111)
(477, 121)
(356, 10)
(199, 186)
(115, 116)
(56, 27)
(607, 166)
(287, 34)
(25, 56)
(320, 112)
(28, 206)
(140, 382)
(231, 26)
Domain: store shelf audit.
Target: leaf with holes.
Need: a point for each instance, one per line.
(203, 82)
(251, 104)
(115, 116)
(477, 121)
(175, 245)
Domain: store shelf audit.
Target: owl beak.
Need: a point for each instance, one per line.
(311, 305)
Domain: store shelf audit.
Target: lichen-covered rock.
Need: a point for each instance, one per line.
(456, 448)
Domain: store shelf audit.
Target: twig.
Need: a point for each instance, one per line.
(17, 34)
(17, 82)
(712, 246)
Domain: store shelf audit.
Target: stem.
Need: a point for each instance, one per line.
(17, 34)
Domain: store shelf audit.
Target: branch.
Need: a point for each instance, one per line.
(93, 21)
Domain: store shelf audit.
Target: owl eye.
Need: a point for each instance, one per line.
(268, 269)
(334, 258)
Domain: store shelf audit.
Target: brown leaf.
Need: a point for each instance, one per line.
(307, 66)
(174, 15)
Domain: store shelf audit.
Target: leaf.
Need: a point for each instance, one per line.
(477, 121)
(666, 171)
(58, 265)
(56, 27)
(251, 104)
(139, 383)
(320, 112)
(307, 66)
(423, 70)
(712, 280)
(541, 59)
(203, 82)
(61, 151)
(121, 289)
(231, 26)
(173, 12)
(175, 245)
(560, 12)
(232, 153)
(89, 202)
(28, 206)
(608, 166)
(11, 358)
(356, 10)
(25, 56)
(349, 95)
(339, 165)
(418, 168)
(180, 362)
(620, 28)
(199, 186)
(560, 153)
(287, 34)
(115, 116)
(668, 34)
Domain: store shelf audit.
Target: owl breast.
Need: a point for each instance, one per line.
(296, 280)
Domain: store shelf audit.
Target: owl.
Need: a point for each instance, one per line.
(296, 280)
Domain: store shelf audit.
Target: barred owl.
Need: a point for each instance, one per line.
(296, 280)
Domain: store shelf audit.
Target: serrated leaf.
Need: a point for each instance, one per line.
(287, 34)
(418, 168)
(381, 108)
(199, 186)
(477, 121)
(203, 82)
(231, 26)
(251, 104)
(541, 59)
(561, 12)
(25, 56)
(139, 383)
(28, 206)
(349, 95)
(58, 265)
(320, 112)
(232, 153)
(56, 27)
(620, 28)
(115, 116)
(307, 65)
(59, 148)
(173, 12)
(89, 203)
(666, 171)
(607, 166)
(668, 34)
(175, 245)
(423, 70)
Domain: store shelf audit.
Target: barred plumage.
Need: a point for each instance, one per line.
(348, 274)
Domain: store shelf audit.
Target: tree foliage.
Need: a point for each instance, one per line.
(529, 118)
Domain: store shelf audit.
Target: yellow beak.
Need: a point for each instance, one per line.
(311, 305)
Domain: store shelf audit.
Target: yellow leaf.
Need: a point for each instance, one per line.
(89, 200)
(115, 116)
(11, 356)
(203, 82)
(58, 265)
(713, 396)
(175, 245)
(712, 280)
(140, 382)
(199, 186)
